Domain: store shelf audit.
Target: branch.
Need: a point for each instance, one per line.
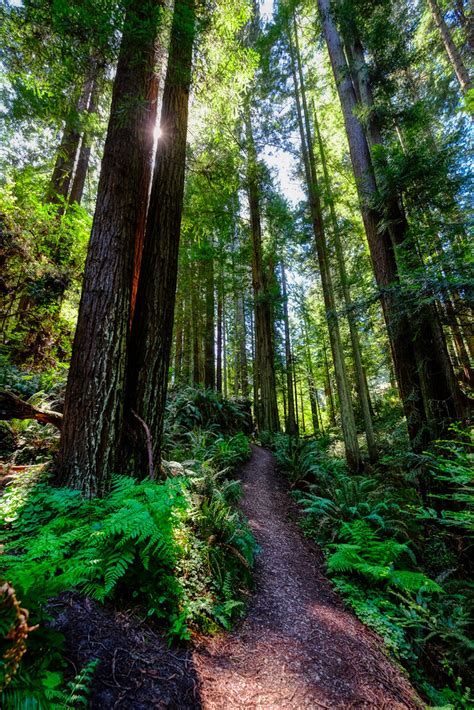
(12, 407)
(149, 445)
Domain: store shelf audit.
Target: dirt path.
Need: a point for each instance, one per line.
(297, 646)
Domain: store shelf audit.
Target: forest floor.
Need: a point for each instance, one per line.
(297, 647)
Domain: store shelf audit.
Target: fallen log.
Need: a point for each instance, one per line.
(12, 407)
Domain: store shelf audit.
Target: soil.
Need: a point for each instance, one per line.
(297, 647)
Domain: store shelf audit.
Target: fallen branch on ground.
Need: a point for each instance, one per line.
(12, 407)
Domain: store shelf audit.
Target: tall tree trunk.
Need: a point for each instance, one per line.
(93, 409)
(356, 349)
(328, 390)
(220, 313)
(379, 240)
(290, 421)
(152, 327)
(60, 183)
(147, 138)
(82, 165)
(266, 408)
(452, 51)
(224, 352)
(345, 403)
(179, 338)
(209, 353)
(443, 399)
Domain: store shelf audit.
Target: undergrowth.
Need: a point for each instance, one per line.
(398, 545)
(177, 550)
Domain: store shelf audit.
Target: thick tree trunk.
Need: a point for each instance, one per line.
(266, 408)
(443, 399)
(345, 403)
(147, 138)
(452, 51)
(93, 409)
(379, 240)
(152, 327)
(290, 421)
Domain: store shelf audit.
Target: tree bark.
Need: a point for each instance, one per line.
(266, 408)
(379, 240)
(82, 166)
(347, 413)
(356, 349)
(291, 428)
(93, 409)
(443, 399)
(452, 51)
(209, 353)
(61, 179)
(152, 327)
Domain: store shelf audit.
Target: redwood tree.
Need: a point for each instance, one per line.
(94, 403)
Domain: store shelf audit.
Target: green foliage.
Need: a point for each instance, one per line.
(195, 408)
(42, 254)
(406, 581)
(52, 693)
(178, 550)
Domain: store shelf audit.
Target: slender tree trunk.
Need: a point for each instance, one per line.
(356, 349)
(82, 166)
(303, 426)
(224, 351)
(209, 353)
(179, 336)
(266, 408)
(220, 309)
(328, 390)
(452, 51)
(290, 421)
(345, 403)
(152, 328)
(93, 409)
(61, 179)
(378, 237)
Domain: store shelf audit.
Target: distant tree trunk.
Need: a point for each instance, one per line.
(303, 425)
(345, 403)
(152, 327)
(209, 353)
(452, 51)
(93, 408)
(378, 237)
(241, 350)
(179, 337)
(290, 421)
(266, 408)
(220, 309)
(82, 166)
(186, 368)
(61, 179)
(466, 22)
(224, 352)
(356, 349)
(328, 390)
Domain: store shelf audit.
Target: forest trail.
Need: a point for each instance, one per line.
(298, 647)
